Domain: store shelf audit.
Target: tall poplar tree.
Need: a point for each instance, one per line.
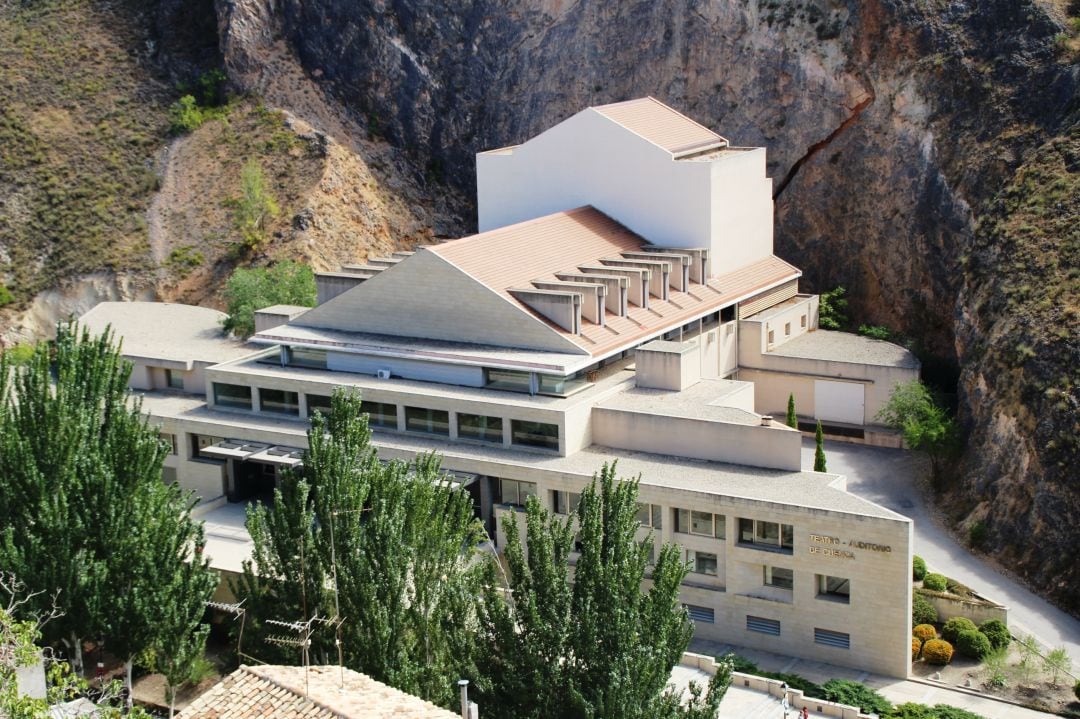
(85, 512)
(593, 644)
(403, 542)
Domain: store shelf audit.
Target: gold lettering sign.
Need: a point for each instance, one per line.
(844, 553)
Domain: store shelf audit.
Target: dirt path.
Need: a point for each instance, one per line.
(171, 194)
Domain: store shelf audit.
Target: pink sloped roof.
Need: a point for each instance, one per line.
(516, 255)
(661, 125)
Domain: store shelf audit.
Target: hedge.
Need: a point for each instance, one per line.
(918, 568)
(936, 582)
(925, 632)
(746, 666)
(973, 644)
(937, 651)
(956, 625)
(996, 631)
(912, 710)
(856, 694)
(922, 611)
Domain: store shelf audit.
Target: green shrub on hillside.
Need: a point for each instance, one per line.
(856, 694)
(935, 582)
(922, 611)
(937, 651)
(925, 632)
(1076, 689)
(956, 625)
(831, 308)
(918, 568)
(875, 332)
(248, 290)
(996, 631)
(973, 644)
(6, 298)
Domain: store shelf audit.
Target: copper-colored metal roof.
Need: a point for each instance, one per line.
(661, 125)
(516, 255)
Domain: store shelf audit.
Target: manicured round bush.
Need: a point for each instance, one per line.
(918, 568)
(922, 611)
(916, 647)
(925, 632)
(996, 631)
(973, 644)
(935, 582)
(956, 625)
(937, 651)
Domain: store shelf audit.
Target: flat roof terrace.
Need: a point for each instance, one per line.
(803, 489)
(708, 399)
(846, 347)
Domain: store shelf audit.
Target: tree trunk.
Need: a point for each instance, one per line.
(172, 700)
(127, 682)
(76, 655)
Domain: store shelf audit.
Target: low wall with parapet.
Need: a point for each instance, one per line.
(977, 610)
(775, 687)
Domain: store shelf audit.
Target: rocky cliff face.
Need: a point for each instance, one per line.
(892, 126)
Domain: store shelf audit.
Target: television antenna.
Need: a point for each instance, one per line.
(235, 609)
(301, 638)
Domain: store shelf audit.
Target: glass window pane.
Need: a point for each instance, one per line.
(174, 379)
(746, 530)
(643, 514)
(768, 533)
(429, 421)
(657, 517)
(787, 536)
(306, 357)
(682, 521)
(380, 414)
(779, 577)
(701, 523)
(508, 380)
(279, 401)
(534, 434)
(475, 426)
(526, 490)
(705, 563)
(318, 403)
(232, 395)
(719, 529)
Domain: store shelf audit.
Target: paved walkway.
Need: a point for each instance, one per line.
(887, 477)
(738, 703)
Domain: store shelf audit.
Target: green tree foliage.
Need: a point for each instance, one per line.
(922, 611)
(185, 116)
(935, 582)
(85, 512)
(997, 632)
(973, 644)
(912, 710)
(408, 573)
(254, 207)
(248, 290)
(598, 646)
(832, 307)
(792, 418)
(954, 626)
(918, 568)
(852, 693)
(875, 332)
(819, 450)
(925, 425)
(1057, 662)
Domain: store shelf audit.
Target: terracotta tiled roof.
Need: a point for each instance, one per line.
(516, 255)
(661, 125)
(278, 692)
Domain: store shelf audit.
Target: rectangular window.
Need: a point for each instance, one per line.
(200, 442)
(169, 439)
(475, 426)
(705, 615)
(534, 434)
(509, 380)
(232, 395)
(840, 640)
(318, 403)
(802, 321)
(174, 380)
(703, 524)
(380, 414)
(770, 336)
(515, 492)
(834, 588)
(762, 625)
(650, 515)
(429, 421)
(779, 577)
(766, 535)
(702, 562)
(279, 401)
(565, 502)
(787, 329)
(306, 357)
